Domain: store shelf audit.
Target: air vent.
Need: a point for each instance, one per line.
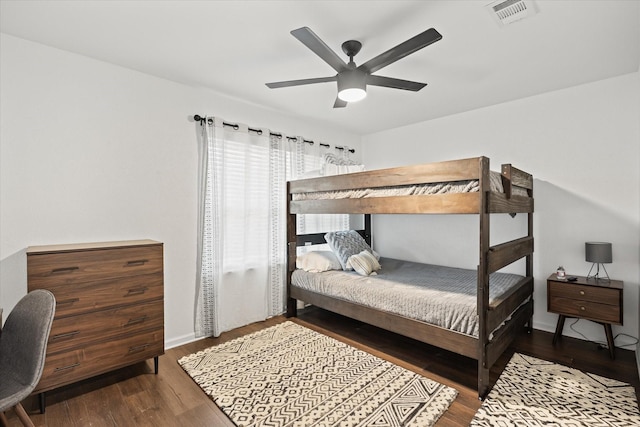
(507, 12)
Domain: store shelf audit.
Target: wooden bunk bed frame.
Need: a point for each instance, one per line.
(491, 258)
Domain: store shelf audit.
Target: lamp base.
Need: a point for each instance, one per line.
(597, 275)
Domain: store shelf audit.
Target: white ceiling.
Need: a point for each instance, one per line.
(235, 47)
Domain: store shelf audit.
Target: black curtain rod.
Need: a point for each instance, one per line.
(235, 126)
(351, 150)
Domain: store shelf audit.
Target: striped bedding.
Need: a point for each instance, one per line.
(468, 186)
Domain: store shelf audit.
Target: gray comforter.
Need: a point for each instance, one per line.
(442, 296)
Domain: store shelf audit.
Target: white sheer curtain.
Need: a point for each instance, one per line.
(242, 224)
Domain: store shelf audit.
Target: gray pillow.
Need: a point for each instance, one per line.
(346, 243)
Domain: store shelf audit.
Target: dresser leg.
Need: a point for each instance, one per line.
(609, 333)
(155, 364)
(559, 328)
(43, 402)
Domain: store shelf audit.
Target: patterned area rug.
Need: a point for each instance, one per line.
(289, 375)
(534, 392)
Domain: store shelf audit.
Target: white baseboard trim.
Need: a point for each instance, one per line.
(638, 356)
(543, 326)
(175, 342)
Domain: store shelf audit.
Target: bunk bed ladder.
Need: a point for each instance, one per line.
(529, 257)
(513, 176)
(494, 258)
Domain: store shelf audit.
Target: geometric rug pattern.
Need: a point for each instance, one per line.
(534, 392)
(289, 375)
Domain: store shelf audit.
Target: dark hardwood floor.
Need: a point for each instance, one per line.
(134, 396)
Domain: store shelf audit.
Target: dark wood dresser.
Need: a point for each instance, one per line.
(109, 307)
(592, 299)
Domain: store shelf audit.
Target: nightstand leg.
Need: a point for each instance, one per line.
(559, 328)
(609, 333)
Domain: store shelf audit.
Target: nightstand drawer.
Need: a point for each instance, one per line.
(584, 293)
(585, 309)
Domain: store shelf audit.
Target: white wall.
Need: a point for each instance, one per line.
(94, 152)
(582, 145)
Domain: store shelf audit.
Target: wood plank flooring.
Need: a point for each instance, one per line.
(134, 396)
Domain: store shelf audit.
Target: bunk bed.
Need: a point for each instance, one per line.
(466, 186)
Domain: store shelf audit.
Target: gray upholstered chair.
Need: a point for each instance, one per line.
(23, 345)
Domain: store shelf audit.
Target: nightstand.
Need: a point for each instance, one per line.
(596, 300)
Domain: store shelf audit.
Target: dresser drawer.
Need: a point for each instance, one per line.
(585, 309)
(51, 269)
(68, 333)
(86, 297)
(71, 366)
(585, 293)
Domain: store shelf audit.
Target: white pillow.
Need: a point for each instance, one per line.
(364, 263)
(346, 243)
(318, 261)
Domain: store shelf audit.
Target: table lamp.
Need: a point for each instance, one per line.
(598, 253)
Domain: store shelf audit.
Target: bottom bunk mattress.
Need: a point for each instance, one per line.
(434, 294)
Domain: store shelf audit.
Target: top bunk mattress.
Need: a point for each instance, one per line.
(466, 186)
(438, 295)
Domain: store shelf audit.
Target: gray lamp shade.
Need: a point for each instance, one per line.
(599, 252)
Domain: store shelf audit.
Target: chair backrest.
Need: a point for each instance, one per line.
(23, 342)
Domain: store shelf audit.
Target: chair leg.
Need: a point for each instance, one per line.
(3, 420)
(22, 414)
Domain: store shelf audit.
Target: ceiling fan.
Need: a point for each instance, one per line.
(352, 80)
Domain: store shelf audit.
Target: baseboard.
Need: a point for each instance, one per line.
(175, 342)
(638, 357)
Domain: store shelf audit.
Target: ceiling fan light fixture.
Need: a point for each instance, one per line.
(352, 86)
(354, 94)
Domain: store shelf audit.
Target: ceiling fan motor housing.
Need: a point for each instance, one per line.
(352, 85)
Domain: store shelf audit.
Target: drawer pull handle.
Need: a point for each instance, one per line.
(138, 348)
(582, 308)
(66, 368)
(66, 335)
(136, 321)
(64, 270)
(581, 292)
(137, 262)
(137, 291)
(68, 301)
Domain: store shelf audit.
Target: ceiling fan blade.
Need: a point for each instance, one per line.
(320, 48)
(394, 83)
(339, 103)
(403, 49)
(301, 82)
